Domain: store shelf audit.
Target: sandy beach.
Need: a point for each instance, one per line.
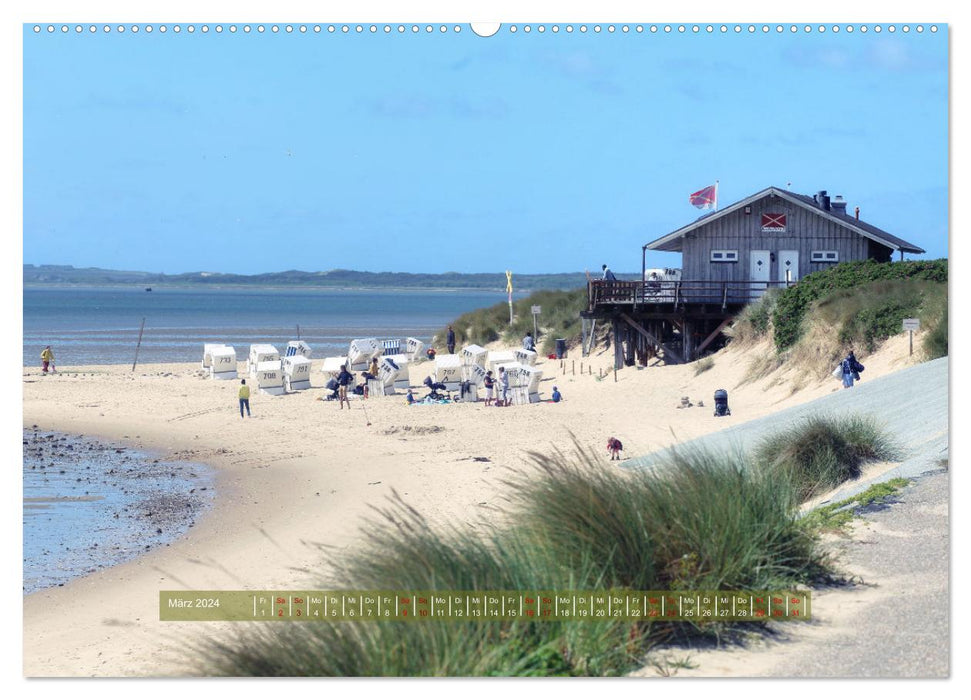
(300, 473)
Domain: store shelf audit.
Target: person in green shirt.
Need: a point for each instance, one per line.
(243, 399)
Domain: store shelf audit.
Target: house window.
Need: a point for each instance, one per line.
(824, 256)
(774, 223)
(724, 256)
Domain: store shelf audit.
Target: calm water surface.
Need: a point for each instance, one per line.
(99, 325)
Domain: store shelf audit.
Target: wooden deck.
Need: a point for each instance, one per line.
(675, 320)
(618, 293)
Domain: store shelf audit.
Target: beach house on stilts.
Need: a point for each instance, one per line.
(729, 258)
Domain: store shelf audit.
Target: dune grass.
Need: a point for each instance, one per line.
(820, 453)
(699, 522)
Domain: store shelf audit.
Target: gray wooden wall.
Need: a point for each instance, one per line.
(806, 231)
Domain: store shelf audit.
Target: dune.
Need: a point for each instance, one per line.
(300, 474)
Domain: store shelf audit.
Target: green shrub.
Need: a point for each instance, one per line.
(560, 318)
(699, 522)
(935, 342)
(820, 453)
(792, 303)
(755, 320)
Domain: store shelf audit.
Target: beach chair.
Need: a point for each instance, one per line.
(258, 353)
(222, 363)
(414, 348)
(360, 351)
(269, 377)
(448, 371)
(524, 357)
(296, 373)
(297, 347)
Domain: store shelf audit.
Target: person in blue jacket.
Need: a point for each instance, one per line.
(851, 369)
(556, 395)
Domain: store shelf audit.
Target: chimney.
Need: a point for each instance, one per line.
(839, 205)
(822, 200)
(857, 213)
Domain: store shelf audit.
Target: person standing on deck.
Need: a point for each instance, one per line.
(608, 275)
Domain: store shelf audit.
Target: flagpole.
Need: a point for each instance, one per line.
(716, 195)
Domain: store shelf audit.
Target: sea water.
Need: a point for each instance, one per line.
(100, 325)
(90, 504)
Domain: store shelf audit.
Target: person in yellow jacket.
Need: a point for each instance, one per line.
(47, 357)
(243, 399)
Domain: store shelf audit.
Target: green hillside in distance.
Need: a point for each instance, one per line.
(67, 275)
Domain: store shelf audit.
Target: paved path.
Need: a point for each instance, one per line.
(912, 404)
(895, 623)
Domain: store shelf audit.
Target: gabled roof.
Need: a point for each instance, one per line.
(672, 241)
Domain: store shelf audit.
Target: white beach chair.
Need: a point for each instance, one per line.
(473, 355)
(499, 358)
(393, 371)
(298, 347)
(296, 373)
(269, 377)
(259, 353)
(222, 364)
(360, 351)
(332, 366)
(525, 357)
(207, 349)
(524, 384)
(448, 370)
(414, 348)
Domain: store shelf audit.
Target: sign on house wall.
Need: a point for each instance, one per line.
(774, 223)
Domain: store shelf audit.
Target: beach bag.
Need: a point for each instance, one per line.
(838, 372)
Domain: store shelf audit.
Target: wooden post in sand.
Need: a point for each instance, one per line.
(574, 368)
(140, 330)
(615, 374)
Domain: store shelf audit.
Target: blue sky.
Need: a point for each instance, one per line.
(538, 152)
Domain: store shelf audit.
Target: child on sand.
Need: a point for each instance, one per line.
(614, 446)
(557, 396)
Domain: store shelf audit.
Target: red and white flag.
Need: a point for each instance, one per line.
(706, 198)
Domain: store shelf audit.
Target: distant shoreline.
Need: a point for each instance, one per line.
(283, 287)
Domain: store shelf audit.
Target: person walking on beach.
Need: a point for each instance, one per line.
(608, 275)
(528, 342)
(450, 341)
(344, 378)
(488, 382)
(47, 357)
(503, 387)
(244, 399)
(851, 369)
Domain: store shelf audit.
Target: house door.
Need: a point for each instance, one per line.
(789, 265)
(758, 272)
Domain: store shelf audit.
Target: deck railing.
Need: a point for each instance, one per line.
(635, 293)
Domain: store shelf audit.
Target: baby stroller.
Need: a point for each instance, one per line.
(721, 403)
(435, 388)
